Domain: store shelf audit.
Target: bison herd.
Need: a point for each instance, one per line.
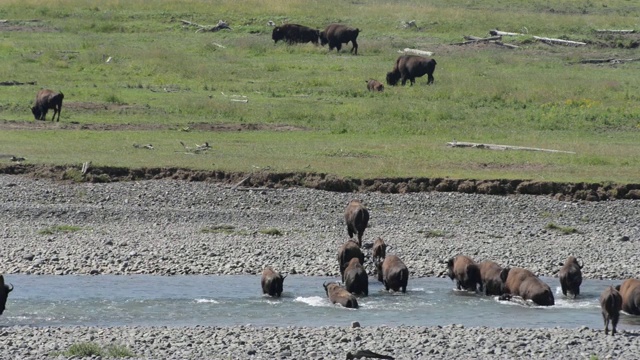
(486, 277)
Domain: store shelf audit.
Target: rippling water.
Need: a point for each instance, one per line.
(107, 300)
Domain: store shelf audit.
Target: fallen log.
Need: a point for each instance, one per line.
(511, 46)
(559, 41)
(14, 83)
(408, 51)
(503, 33)
(211, 28)
(503, 147)
(610, 61)
(475, 38)
(630, 31)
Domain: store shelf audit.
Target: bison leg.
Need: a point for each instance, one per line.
(430, 81)
(605, 317)
(360, 238)
(355, 47)
(614, 323)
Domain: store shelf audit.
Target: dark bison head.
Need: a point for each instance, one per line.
(4, 293)
(323, 38)
(36, 112)
(277, 34)
(392, 78)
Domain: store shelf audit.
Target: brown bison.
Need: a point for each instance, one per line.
(409, 67)
(337, 34)
(355, 278)
(379, 250)
(357, 217)
(465, 272)
(295, 33)
(374, 85)
(338, 294)
(393, 273)
(4, 293)
(348, 251)
(571, 277)
(630, 293)
(522, 282)
(491, 280)
(610, 303)
(272, 282)
(45, 100)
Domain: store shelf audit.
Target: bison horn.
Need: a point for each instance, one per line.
(284, 277)
(10, 288)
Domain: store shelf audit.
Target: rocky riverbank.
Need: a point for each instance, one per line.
(169, 227)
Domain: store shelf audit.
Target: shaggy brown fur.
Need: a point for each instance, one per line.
(465, 272)
(491, 280)
(356, 216)
(295, 33)
(522, 282)
(571, 277)
(348, 251)
(611, 304)
(374, 85)
(337, 34)
(379, 250)
(45, 100)
(339, 295)
(409, 67)
(393, 273)
(272, 282)
(4, 293)
(355, 277)
(630, 292)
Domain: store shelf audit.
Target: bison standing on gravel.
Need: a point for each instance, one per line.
(337, 34)
(610, 303)
(294, 33)
(465, 272)
(272, 282)
(4, 293)
(45, 100)
(571, 277)
(356, 280)
(393, 273)
(379, 250)
(630, 292)
(338, 294)
(357, 217)
(522, 282)
(491, 280)
(409, 67)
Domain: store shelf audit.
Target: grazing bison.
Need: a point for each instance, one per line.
(630, 293)
(4, 293)
(45, 100)
(374, 85)
(357, 217)
(294, 33)
(272, 282)
(491, 280)
(348, 251)
(355, 278)
(379, 250)
(465, 272)
(571, 277)
(337, 34)
(610, 303)
(393, 273)
(340, 295)
(522, 282)
(409, 67)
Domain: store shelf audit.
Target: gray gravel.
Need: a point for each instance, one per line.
(173, 227)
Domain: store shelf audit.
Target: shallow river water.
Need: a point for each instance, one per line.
(106, 300)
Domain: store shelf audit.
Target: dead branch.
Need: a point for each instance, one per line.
(147, 146)
(474, 39)
(408, 51)
(210, 28)
(503, 33)
(510, 46)
(241, 182)
(610, 61)
(13, 83)
(559, 41)
(502, 147)
(630, 31)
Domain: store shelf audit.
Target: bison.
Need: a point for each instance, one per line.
(348, 251)
(337, 34)
(295, 33)
(374, 85)
(491, 280)
(522, 282)
(610, 303)
(355, 278)
(357, 217)
(340, 295)
(45, 100)
(571, 277)
(409, 67)
(272, 282)
(630, 293)
(465, 272)
(393, 273)
(4, 293)
(379, 250)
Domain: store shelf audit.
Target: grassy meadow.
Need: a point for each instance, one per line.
(164, 79)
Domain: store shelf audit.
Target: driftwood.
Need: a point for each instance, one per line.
(511, 46)
(211, 28)
(502, 147)
(503, 33)
(630, 31)
(559, 41)
(13, 83)
(408, 51)
(610, 61)
(493, 39)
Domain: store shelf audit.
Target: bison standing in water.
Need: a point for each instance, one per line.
(337, 34)
(272, 282)
(393, 273)
(357, 218)
(522, 282)
(409, 67)
(348, 251)
(630, 292)
(4, 293)
(338, 294)
(356, 280)
(491, 280)
(45, 100)
(465, 272)
(294, 33)
(571, 277)
(610, 303)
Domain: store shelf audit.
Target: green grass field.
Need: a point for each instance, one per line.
(164, 78)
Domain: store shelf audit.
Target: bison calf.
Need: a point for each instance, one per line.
(465, 272)
(491, 280)
(339, 295)
(522, 282)
(357, 217)
(355, 278)
(379, 250)
(571, 277)
(630, 292)
(374, 85)
(337, 34)
(409, 67)
(393, 273)
(272, 282)
(611, 304)
(4, 293)
(45, 100)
